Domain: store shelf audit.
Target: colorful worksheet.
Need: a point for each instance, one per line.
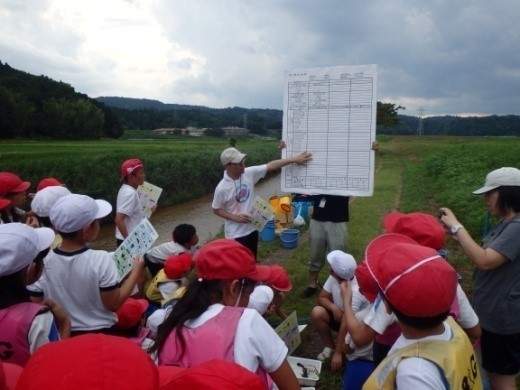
(149, 196)
(136, 244)
(260, 212)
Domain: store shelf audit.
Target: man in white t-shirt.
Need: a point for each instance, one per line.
(234, 194)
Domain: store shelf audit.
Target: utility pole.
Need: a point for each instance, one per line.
(420, 121)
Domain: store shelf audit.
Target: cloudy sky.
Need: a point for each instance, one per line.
(446, 57)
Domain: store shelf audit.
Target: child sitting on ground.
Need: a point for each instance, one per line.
(169, 279)
(85, 282)
(184, 239)
(25, 326)
(328, 314)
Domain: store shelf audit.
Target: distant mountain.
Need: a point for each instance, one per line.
(140, 104)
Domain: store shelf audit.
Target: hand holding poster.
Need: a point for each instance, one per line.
(136, 244)
(148, 195)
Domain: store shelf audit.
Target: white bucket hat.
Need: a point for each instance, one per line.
(73, 212)
(343, 264)
(20, 244)
(45, 199)
(506, 176)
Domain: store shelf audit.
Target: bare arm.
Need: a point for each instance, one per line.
(484, 259)
(121, 224)
(300, 158)
(113, 299)
(360, 333)
(60, 317)
(285, 378)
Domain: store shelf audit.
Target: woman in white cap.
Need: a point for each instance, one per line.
(496, 282)
(25, 326)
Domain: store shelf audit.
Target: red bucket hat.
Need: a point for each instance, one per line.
(91, 361)
(279, 278)
(48, 182)
(228, 259)
(10, 183)
(414, 278)
(367, 284)
(423, 228)
(177, 265)
(213, 374)
(130, 166)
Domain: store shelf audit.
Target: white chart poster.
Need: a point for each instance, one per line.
(330, 112)
(149, 196)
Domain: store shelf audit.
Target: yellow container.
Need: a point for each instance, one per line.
(285, 204)
(274, 201)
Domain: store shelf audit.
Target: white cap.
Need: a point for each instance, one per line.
(20, 244)
(506, 176)
(231, 155)
(73, 212)
(45, 199)
(261, 298)
(343, 264)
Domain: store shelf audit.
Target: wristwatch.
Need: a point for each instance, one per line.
(455, 228)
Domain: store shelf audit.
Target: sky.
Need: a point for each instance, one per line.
(434, 57)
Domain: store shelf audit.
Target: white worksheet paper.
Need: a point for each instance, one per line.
(149, 196)
(330, 112)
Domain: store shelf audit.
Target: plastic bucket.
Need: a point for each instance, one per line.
(267, 234)
(289, 238)
(285, 204)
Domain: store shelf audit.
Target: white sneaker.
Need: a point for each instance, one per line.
(325, 354)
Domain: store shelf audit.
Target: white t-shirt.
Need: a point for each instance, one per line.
(418, 373)
(75, 281)
(42, 331)
(236, 196)
(128, 203)
(332, 286)
(159, 253)
(364, 352)
(256, 343)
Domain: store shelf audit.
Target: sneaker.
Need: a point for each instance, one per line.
(325, 354)
(308, 292)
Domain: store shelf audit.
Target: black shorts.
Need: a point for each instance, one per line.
(333, 324)
(500, 353)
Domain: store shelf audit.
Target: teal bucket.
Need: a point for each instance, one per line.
(289, 238)
(267, 234)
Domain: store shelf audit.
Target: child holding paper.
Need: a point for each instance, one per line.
(84, 281)
(129, 210)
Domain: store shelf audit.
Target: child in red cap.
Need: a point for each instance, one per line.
(12, 188)
(211, 320)
(280, 282)
(129, 210)
(419, 286)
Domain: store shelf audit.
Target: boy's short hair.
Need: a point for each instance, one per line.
(73, 212)
(419, 322)
(415, 279)
(183, 233)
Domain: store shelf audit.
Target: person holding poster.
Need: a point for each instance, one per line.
(235, 193)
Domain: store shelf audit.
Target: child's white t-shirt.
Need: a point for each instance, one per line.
(128, 203)
(75, 281)
(418, 373)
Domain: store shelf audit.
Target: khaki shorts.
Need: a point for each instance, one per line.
(325, 237)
